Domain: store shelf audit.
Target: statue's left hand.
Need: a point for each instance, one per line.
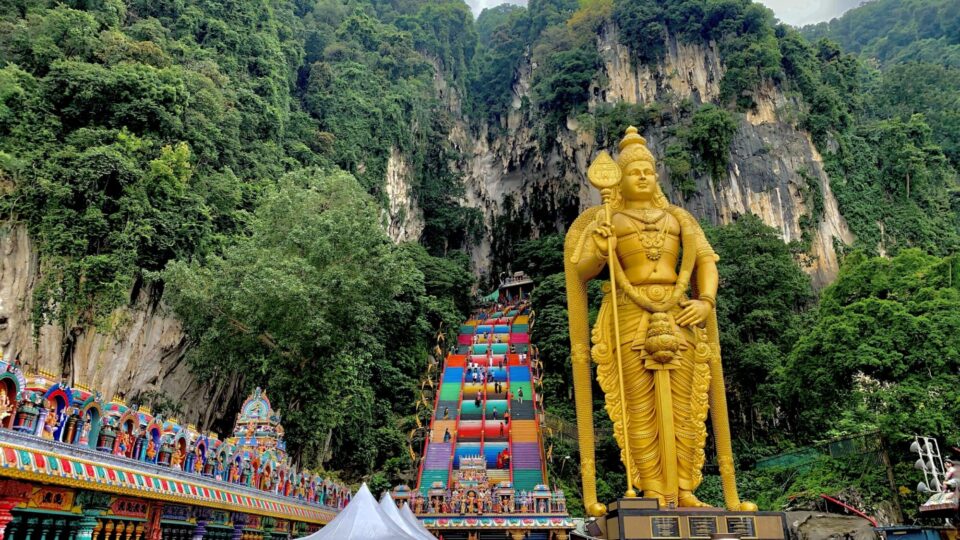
(694, 312)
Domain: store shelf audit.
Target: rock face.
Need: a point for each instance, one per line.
(775, 171)
(820, 525)
(404, 218)
(143, 351)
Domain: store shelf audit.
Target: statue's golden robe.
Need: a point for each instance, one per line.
(689, 377)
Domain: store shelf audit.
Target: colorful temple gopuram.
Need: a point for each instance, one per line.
(74, 466)
(483, 474)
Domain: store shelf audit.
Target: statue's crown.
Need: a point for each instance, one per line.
(633, 147)
(632, 137)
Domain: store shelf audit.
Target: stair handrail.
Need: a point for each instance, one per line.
(511, 424)
(433, 418)
(536, 410)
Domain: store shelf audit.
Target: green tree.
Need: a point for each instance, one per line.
(883, 351)
(762, 295)
(301, 305)
(710, 134)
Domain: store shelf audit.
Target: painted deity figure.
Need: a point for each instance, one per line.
(50, 422)
(663, 341)
(151, 450)
(176, 461)
(6, 407)
(85, 432)
(197, 460)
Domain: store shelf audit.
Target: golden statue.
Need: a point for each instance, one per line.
(662, 342)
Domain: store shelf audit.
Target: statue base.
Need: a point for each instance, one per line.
(643, 519)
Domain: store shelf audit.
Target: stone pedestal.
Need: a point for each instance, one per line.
(643, 519)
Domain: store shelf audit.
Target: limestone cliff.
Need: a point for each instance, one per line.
(403, 216)
(773, 165)
(142, 351)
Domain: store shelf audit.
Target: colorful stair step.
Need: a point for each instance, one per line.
(491, 451)
(450, 391)
(519, 374)
(522, 411)
(466, 449)
(440, 427)
(526, 455)
(438, 456)
(526, 479)
(452, 375)
(523, 431)
(450, 407)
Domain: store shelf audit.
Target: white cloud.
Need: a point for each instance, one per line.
(479, 5)
(810, 11)
(788, 11)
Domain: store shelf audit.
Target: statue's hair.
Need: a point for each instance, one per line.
(633, 148)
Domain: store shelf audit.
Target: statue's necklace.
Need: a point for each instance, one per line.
(652, 244)
(648, 215)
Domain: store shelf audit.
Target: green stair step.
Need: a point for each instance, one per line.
(451, 391)
(429, 477)
(526, 478)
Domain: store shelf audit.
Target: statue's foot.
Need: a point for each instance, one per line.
(597, 510)
(687, 499)
(746, 506)
(650, 494)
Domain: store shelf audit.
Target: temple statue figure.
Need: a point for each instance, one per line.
(655, 341)
(6, 408)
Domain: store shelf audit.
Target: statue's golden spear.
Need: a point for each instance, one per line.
(604, 174)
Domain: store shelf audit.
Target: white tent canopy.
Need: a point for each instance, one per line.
(407, 514)
(389, 508)
(363, 519)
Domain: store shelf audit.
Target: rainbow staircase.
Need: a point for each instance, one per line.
(468, 419)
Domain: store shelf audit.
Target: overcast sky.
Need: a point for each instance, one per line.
(788, 11)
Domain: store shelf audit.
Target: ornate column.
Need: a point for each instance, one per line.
(154, 529)
(12, 493)
(31, 525)
(60, 530)
(200, 530)
(45, 526)
(92, 504)
(239, 522)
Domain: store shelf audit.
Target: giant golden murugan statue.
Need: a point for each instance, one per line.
(656, 346)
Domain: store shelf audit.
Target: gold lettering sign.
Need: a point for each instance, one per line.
(702, 526)
(744, 526)
(125, 507)
(665, 527)
(51, 499)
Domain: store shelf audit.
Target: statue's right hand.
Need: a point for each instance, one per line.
(605, 238)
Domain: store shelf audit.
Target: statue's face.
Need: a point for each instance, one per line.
(639, 181)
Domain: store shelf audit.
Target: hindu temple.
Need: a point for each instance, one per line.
(74, 465)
